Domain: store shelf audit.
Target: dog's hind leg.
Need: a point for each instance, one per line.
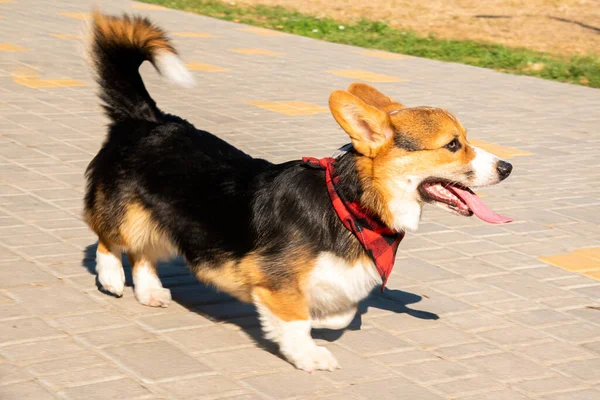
(110, 268)
(285, 319)
(146, 284)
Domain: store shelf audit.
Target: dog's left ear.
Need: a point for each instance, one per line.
(374, 97)
(369, 128)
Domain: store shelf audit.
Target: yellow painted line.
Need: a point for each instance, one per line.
(6, 2)
(66, 36)
(291, 108)
(148, 7)
(592, 252)
(256, 51)
(193, 34)
(384, 55)
(32, 80)
(196, 66)
(262, 32)
(499, 150)
(11, 47)
(74, 15)
(366, 76)
(584, 261)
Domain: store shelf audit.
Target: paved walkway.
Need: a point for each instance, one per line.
(473, 311)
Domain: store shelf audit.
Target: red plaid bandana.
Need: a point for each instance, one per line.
(378, 240)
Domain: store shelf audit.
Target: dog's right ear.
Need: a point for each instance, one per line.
(374, 97)
(369, 128)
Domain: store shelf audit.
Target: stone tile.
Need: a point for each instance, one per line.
(553, 383)
(466, 350)
(19, 273)
(121, 389)
(540, 318)
(89, 322)
(202, 387)
(389, 389)
(404, 357)
(25, 391)
(505, 366)
(45, 349)
(166, 322)
(366, 76)
(291, 108)
(142, 358)
(371, 342)
(513, 336)
(585, 370)
(292, 384)
(207, 339)
(553, 352)
(116, 336)
(574, 333)
(432, 371)
(583, 394)
(53, 300)
(354, 368)
(82, 377)
(245, 362)
(504, 394)
(69, 362)
(26, 330)
(466, 386)
(10, 373)
(438, 337)
(477, 320)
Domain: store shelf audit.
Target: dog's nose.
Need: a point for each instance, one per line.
(504, 169)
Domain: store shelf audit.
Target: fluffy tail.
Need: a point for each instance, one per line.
(119, 45)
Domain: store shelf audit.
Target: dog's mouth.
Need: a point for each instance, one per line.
(459, 199)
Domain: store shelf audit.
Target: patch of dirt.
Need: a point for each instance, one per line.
(555, 26)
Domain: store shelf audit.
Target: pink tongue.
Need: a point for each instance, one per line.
(478, 206)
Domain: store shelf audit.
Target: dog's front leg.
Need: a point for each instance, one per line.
(285, 319)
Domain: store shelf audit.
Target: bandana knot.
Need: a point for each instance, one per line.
(379, 241)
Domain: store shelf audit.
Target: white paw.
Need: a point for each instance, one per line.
(110, 274)
(157, 297)
(317, 358)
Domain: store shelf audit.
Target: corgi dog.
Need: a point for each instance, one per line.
(274, 235)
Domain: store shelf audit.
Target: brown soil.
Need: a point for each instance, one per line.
(532, 24)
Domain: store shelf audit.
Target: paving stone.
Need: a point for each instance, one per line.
(245, 362)
(41, 350)
(540, 318)
(504, 394)
(550, 384)
(467, 386)
(370, 342)
(506, 366)
(166, 322)
(53, 300)
(513, 336)
(574, 333)
(466, 350)
(121, 389)
(13, 274)
(25, 391)
(201, 387)
(82, 377)
(116, 336)
(389, 389)
(432, 371)
(211, 338)
(142, 359)
(69, 362)
(404, 357)
(438, 337)
(554, 352)
(586, 370)
(477, 320)
(10, 373)
(285, 385)
(584, 394)
(26, 330)
(89, 322)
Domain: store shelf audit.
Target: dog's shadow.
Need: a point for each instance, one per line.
(220, 307)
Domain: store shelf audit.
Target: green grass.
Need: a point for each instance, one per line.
(582, 70)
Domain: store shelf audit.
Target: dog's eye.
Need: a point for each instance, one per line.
(453, 146)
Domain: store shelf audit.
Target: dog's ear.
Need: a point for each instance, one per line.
(374, 97)
(369, 128)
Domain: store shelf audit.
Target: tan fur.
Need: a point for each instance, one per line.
(125, 30)
(363, 112)
(288, 304)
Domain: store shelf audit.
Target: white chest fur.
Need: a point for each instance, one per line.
(336, 286)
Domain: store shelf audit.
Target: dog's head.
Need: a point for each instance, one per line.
(411, 156)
